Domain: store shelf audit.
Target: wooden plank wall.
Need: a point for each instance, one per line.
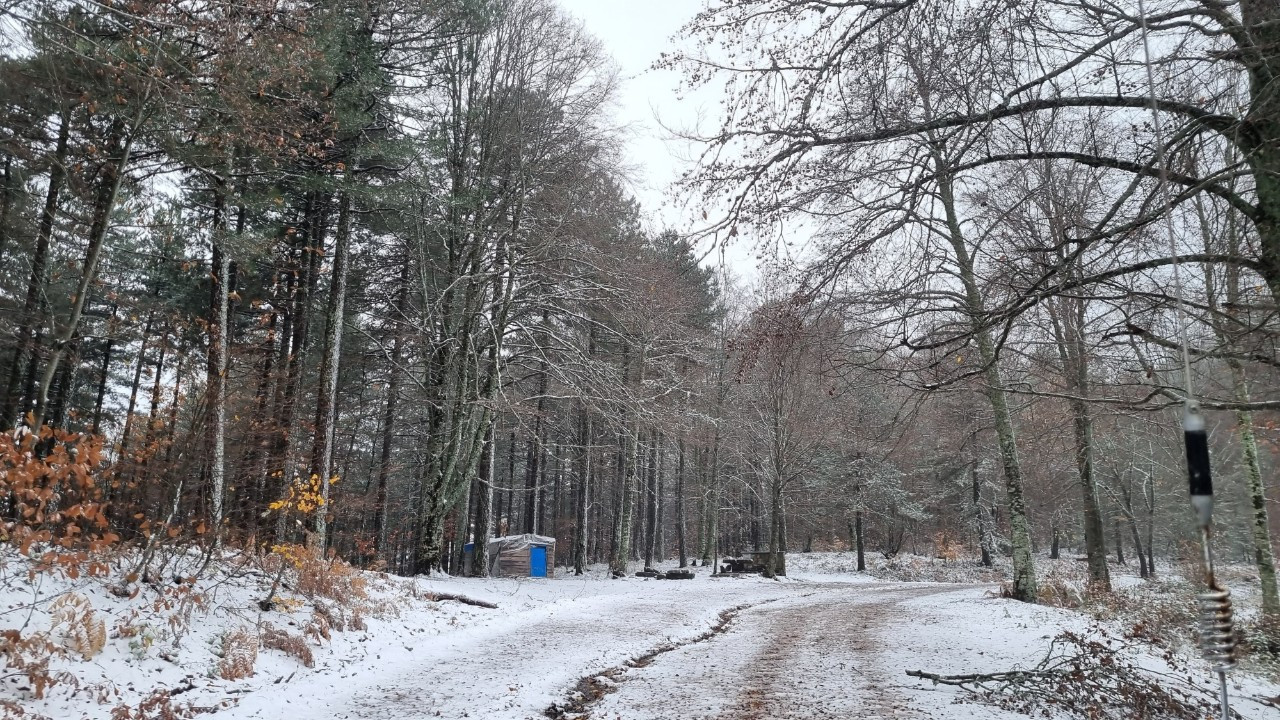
(519, 565)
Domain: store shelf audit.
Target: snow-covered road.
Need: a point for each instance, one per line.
(816, 649)
(798, 650)
(832, 651)
(518, 662)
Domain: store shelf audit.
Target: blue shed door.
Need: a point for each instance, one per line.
(537, 562)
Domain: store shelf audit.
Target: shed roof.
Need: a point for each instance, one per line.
(526, 539)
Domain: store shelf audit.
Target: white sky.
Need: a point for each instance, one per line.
(635, 32)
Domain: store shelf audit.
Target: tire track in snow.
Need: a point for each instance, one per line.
(592, 689)
(816, 664)
(815, 656)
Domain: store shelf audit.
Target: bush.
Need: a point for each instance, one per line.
(28, 657)
(56, 513)
(321, 576)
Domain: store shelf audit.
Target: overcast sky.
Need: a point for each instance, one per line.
(635, 32)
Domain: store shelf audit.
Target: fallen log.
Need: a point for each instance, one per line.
(442, 597)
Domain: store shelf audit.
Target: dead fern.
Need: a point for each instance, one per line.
(81, 629)
(288, 643)
(10, 710)
(332, 616)
(327, 576)
(239, 654)
(318, 629)
(156, 706)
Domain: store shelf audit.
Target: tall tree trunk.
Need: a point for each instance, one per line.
(984, 537)
(857, 537)
(104, 373)
(64, 385)
(327, 401)
(25, 348)
(109, 192)
(622, 537)
(1119, 541)
(149, 438)
(713, 501)
(1126, 510)
(133, 389)
(310, 247)
(219, 347)
(6, 205)
(660, 507)
(775, 526)
(680, 519)
(1263, 554)
(253, 480)
(511, 485)
(1067, 317)
(1260, 20)
(535, 459)
(389, 416)
(582, 500)
(1024, 572)
(651, 501)
(484, 506)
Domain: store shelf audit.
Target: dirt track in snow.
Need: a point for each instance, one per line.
(826, 654)
(814, 661)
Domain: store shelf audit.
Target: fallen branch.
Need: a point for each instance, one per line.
(441, 597)
(1087, 678)
(964, 681)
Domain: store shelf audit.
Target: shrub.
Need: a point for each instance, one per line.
(57, 516)
(323, 576)
(28, 657)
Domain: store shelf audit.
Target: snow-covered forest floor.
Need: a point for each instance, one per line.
(826, 642)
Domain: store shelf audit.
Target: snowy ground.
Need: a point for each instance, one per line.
(825, 643)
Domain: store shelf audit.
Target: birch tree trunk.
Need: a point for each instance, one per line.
(1263, 554)
(218, 393)
(1228, 289)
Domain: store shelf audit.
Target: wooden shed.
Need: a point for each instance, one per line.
(522, 556)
